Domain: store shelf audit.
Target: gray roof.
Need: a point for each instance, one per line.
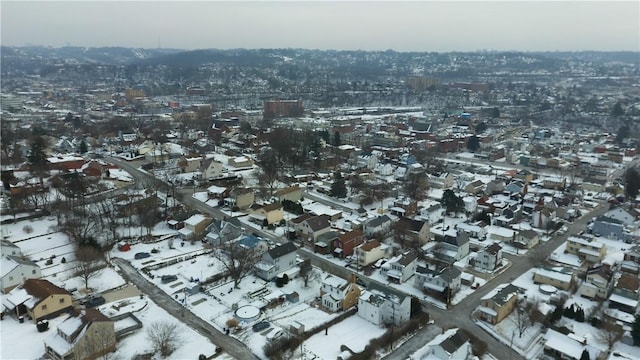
(318, 222)
(378, 221)
(454, 342)
(450, 273)
(282, 250)
(22, 260)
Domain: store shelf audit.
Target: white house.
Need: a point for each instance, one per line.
(450, 345)
(438, 281)
(489, 258)
(382, 305)
(338, 294)
(400, 268)
(276, 260)
(378, 225)
(15, 270)
(9, 248)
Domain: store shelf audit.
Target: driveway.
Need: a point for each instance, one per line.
(231, 345)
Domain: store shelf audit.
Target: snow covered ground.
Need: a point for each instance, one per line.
(355, 332)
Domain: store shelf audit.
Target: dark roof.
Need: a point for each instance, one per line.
(92, 315)
(454, 342)
(413, 225)
(42, 288)
(271, 207)
(378, 221)
(282, 250)
(460, 239)
(450, 273)
(370, 245)
(407, 258)
(493, 248)
(301, 218)
(504, 294)
(318, 222)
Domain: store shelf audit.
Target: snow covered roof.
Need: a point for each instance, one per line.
(195, 219)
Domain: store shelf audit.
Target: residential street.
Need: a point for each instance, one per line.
(231, 345)
(458, 315)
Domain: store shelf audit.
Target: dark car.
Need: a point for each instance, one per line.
(168, 278)
(261, 326)
(141, 255)
(94, 301)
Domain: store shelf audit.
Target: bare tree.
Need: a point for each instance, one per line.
(164, 336)
(237, 260)
(307, 273)
(100, 342)
(522, 319)
(88, 263)
(610, 332)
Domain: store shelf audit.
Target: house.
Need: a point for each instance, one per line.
(370, 252)
(241, 198)
(190, 164)
(450, 345)
(400, 268)
(590, 250)
(418, 230)
(268, 214)
(442, 180)
(542, 217)
(339, 294)
(292, 193)
(240, 162)
(404, 207)
(626, 293)
(489, 258)
(217, 192)
(500, 234)
(38, 299)
(611, 228)
(493, 187)
(623, 215)
(633, 254)
(83, 335)
(325, 242)
(9, 248)
(445, 282)
(474, 187)
(453, 248)
(343, 246)
(526, 239)
(598, 282)
(277, 260)
(195, 227)
(312, 227)
(14, 270)
(252, 242)
(211, 169)
(377, 225)
(568, 347)
(222, 231)
(433, 213)
(498, 303)
(383, 305)
(558, 278)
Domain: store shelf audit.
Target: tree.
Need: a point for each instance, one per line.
(306, 272)
(481, 127)
(473, 144)
(635, 331)
(522, 320)
(336, 139)
(38, 163)
(416, 186)
(580, 315)
(495, 112)
(623, 133)
(610, 332)
(82, 148)
(165, 337)
(631, 183)
(237, 260)
(585, 355)
(102, 341)
(617, 110)
(452, 202)
(338, 187)
(88, 263)
(269, 171)
(483, 216)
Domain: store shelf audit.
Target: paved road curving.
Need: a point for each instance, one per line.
(231, 345)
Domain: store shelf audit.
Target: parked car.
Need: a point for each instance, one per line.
(261, 326)
(168, 278)
(141, 255)
(93, 301)
(274, 334)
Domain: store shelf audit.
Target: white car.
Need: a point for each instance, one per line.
(275, 333)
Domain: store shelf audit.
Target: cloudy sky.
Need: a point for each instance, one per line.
(367, 25)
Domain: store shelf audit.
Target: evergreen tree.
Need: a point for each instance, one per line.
(83, 147)
(338, 188)
(617, 110)
(473, 144)
(38, 163)
(635, 331)
(452, 202)
(585, 355)
(336, 139)
(580, 315)
(631, 183)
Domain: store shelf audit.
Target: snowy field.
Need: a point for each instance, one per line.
(354, 331)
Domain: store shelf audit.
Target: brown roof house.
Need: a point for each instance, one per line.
(339, 294)
(498, 303)
(343, 246)
(38, 299)
(267, 214)
(314, 226)
(292, 193)
(84, 335)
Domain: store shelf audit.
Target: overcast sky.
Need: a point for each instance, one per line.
(402, 26)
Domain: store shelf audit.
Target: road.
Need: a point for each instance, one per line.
(463, 310)
(231, 345)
